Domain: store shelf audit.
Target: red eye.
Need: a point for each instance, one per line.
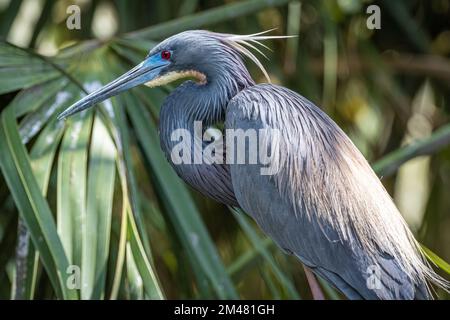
(165, 55)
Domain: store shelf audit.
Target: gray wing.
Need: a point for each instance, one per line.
(290, 219)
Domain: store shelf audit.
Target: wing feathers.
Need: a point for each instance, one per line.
(325, 204)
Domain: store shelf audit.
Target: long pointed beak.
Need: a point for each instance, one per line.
(142, 73)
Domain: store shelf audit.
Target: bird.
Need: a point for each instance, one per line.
(322, 203)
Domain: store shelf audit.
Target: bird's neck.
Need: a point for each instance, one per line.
(183, 110)
(206, 103)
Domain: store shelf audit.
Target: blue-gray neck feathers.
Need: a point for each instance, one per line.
(226, 75)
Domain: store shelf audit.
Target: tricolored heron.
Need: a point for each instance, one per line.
(324, 204)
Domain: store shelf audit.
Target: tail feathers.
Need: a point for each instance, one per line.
(422, 293)
(384, 280)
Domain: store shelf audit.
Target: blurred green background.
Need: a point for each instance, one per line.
(108, 216)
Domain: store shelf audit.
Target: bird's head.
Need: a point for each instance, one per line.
(194, 54)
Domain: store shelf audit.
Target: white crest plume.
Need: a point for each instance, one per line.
(242, 43)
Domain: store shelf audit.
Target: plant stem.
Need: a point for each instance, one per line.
(392, 161)
(22, 248)
(313, 284)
